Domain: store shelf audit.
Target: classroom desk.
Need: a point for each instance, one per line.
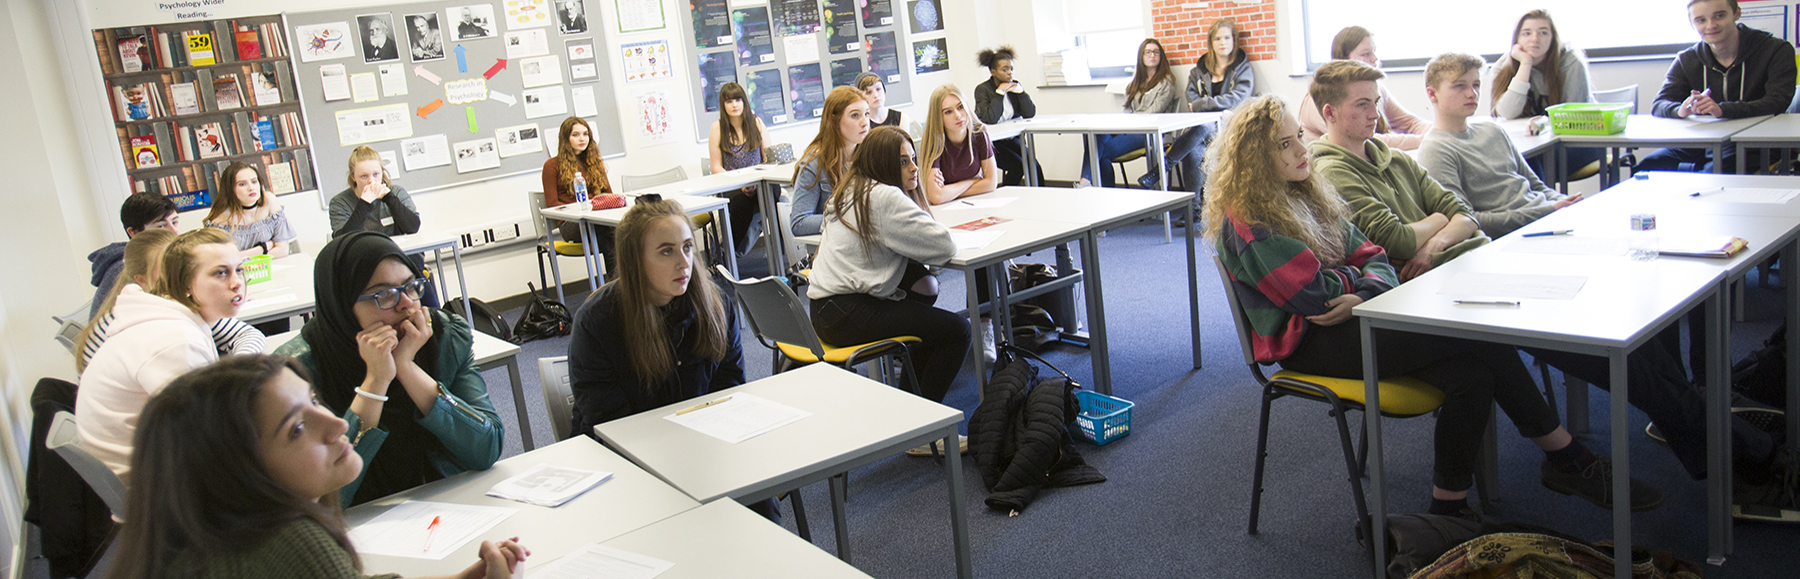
(1653, 131)
(290, 293)
(1091, 125)
(725, 539)
(768, 179)
(1779, 133)
(1623, 305)
(855, 421)
(693, 205)
(630, 500)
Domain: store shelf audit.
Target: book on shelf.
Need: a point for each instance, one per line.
(221, 33)
(133, 51)
(248, 46)
(281, 177)
(185, 98)
(199, 48)
(263, 87)
(265, 135)
(209, 140)
(143, 152)
(226, 92)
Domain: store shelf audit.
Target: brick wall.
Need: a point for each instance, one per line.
(1181, 26)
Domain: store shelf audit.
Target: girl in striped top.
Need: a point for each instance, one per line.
(143, 257)
(256, 221)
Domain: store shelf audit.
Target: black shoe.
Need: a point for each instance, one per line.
(1778, 499)
(1148, 180)
(1594, 484)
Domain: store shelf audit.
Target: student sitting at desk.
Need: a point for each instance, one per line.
(372, 202)
(955, 150)
(1735, 71)
(1390, 198)
(256, 221)
(141, 212)
(1478, 161)
(156, 335)
(737, 143)
(1537, 72)
(826, 159)
(403, 375)
(1299, 267)
(143, 262)
(1151, 90)
(875, 91)
(1220, 80)
(1001, 98)
(576, 155)
(247, 467)
(1394, 125)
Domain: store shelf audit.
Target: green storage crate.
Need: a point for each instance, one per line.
(1589, 118)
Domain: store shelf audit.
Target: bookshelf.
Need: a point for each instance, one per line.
(189, 98)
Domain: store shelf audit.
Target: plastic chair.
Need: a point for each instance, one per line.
(559, 401)
(634, 183)
(1402, 397)
(549, 247)
(781, 324)
(67, 444)
(779, 153)
(69, 325)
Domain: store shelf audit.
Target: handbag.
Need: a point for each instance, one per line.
(543, 319)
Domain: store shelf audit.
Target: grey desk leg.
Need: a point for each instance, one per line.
(1193, 284)
(437, 267)
(1621, 457)
(1160, 162)
(1096, 306)
(590, 253)
(839, 491)
(1064, 265)
(1718, 454)
(1001, 304)
(549, 240)
(1718, 154)
(1742, 164)
(518, 389)
(1377, 478)
(462, 281)
(1094, 160)
(729, 243)
(975, 329)
(959, 517)
(1032, 178)
(1790, 261)
(774, 244)
(1560, 156)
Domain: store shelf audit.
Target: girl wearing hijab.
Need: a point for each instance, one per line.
(401, 374)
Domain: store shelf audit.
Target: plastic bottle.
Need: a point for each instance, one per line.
(1643, 240)
(581, 191)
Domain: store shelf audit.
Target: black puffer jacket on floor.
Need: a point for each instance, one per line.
(1019, 436)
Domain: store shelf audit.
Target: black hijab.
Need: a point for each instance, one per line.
(340, 273)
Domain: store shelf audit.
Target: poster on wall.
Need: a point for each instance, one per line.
(877, 13)
(425, 152)
(930, 56)
(884, 57)
(924, 16)
(712, 23)
(476, 155)
(845, 71)
(653, 115)
(766, 96)
(806, 91)
(358, 126)
(750, 29)
(571, 17)
(527, 14)
(840, 27)
(795, 16)
(639, 15)
(425, 38)
(584, 63)
(646, 60)
(325, 41)
(519, 140)
(378, 42)
(472, 21)
(716, 69)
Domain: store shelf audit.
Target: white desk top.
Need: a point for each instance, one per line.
(1667, 194)
(1102, 123)
(1777, 129)
(725, 539)
(1090, 206)
(1520, 132)
(851, 417)
(487, 348)
(289, 293)
(1623, 301)
(1650, 128)
(726, 182)
(694, 205)
(630, 500)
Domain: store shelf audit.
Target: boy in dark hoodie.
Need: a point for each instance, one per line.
(1733, 72)
(140, 212)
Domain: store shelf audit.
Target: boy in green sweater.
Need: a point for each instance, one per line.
(1391, 199)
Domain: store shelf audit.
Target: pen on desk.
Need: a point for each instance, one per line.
(1705, 191)
(1486, 303)
(430, 530)
(1550, 233)
(700, 406)
(968, 203)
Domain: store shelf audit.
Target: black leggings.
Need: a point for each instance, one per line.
(851, 319)
(1009, 156)
(1473, 375)
(744, 208)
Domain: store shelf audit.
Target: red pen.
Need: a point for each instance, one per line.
(429, 531)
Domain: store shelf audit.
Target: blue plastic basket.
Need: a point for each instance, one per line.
(1103, 418)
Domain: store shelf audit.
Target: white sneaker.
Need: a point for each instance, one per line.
(987, 341)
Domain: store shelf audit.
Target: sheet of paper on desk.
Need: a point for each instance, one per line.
(274, 299)
(596, 561)
(406, 530)
(1507, 285)
(974, 239)
(985, 202)
(1749, 195)
(1567, 245)
(741, 418)
(548, 485)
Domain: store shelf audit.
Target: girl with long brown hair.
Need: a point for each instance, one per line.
(1540, 71)
(576, 153)
(1151, 90)
(241, 207)
(737, 143)
(824, 162)
(955, 150)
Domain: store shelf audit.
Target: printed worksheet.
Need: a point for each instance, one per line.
(425, 530)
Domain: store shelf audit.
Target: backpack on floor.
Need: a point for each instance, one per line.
(543, 319)
(487, 319)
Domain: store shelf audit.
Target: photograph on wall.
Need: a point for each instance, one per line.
(325, 41)
(571, 17)
(930, 56)
(750, 29)
(884, 56)
(378, 42)
(654, 114)
(924, 16)
(716, 69)
(476, 155)
(424, 36)
(472, 21)
(712, 23)
(840, 27)
(766, 96)
(845, 71)
(806, 91)
(527, 13)
(795, 16)
(646, 60)
(877, 13)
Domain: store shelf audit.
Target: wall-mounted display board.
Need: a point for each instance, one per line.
(190, 98)
(452, 91)
(788, 54)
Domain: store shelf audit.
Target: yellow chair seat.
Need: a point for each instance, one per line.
(569, 248)
(1590, 170)
(833, 355)
(1402, 396)
(703, 220)
(1130, 156)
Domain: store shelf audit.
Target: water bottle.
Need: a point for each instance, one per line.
(1643, 240)
(581, 191)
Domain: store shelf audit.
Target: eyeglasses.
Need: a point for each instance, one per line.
(388, 298)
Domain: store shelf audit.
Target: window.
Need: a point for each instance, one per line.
(1410, 32)
(1112, 54)
(1101, 36)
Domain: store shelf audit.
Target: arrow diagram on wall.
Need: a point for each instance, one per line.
(502, 97)
(499, 64)
(427, 109)
(462, 59)
(471, 111)
(419, 71)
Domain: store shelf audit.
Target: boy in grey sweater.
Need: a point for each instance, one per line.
(1478, 162)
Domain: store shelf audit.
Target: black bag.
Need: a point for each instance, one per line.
(1762, 375)
(543, 319)
(487, 319)
(1019, 435)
